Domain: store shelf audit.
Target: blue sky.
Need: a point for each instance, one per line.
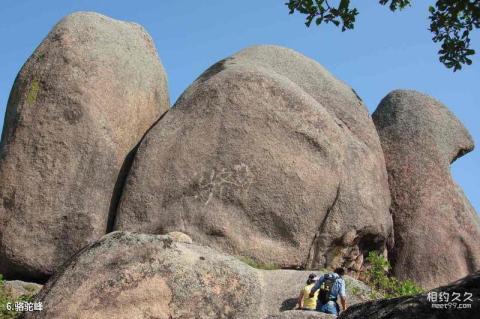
(385, 51)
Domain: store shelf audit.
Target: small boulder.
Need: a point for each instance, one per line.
(17, 288)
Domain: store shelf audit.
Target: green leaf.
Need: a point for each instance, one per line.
(344, 4)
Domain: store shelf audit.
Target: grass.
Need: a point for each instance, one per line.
(253, 263)
(356, 290)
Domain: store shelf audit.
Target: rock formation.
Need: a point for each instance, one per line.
(265, 155)
(437, 231)
(78, 107)
(127, 275)
(420, 306)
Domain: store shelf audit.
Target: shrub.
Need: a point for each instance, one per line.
(383, 285)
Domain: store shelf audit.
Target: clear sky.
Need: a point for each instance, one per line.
(385, 51)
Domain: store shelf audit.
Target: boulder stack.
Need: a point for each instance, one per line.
(266, 161)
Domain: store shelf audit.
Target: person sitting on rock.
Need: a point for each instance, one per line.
(305, 300)
(331, 286)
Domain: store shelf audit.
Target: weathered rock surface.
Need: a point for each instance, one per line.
(265, 155)
(437, 231)
(78, 107)
(421, 307)
(298, 314)
(127, 275)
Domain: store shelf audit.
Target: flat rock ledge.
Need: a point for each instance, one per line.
(130, 275)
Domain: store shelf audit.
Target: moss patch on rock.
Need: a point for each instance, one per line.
(33, 92)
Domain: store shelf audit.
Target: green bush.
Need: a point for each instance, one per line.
(6, 298)
(383, 285)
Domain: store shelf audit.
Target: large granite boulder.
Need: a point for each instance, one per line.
(265, 155)
(459, 300)
(126, 275)
(78, 107)
(437, 231)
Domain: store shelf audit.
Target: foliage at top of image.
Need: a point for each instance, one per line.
(451, 22)
(6, 298)
(383, 285)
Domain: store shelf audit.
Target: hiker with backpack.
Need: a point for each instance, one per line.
(331, 286)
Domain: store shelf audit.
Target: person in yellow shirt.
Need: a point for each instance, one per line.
(305, 302)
